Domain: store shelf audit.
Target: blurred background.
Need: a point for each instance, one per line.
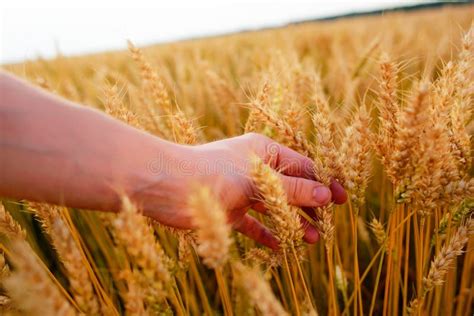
(31, 29)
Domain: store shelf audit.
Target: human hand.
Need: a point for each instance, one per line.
(224, 167)
(107, 158)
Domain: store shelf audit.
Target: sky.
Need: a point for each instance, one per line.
(35, 28)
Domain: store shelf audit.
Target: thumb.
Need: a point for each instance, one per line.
(305, 193)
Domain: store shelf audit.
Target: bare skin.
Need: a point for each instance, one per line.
(55, 151)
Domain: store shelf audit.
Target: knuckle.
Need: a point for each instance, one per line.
(257, 137)
(252, 135)
(250, 190)
(295, 189)
(238, 223)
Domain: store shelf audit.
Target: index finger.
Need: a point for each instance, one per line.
(289, 162)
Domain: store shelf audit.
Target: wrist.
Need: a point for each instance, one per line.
(159, 176)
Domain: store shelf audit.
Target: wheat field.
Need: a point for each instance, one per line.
(383, 104)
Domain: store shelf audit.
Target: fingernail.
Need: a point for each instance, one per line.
(321, 194)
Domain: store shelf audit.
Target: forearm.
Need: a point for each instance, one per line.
(53, 150)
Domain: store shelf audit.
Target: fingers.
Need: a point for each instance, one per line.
(289, 162)
(260, 207)
(339, 195)
(249, 226)
(311, 234)
(305, 193)
(252, 228)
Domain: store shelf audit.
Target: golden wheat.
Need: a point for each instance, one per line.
(397, 88)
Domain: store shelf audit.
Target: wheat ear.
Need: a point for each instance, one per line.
(258, 290)
(115, 107)
(324, 136)
(285, 221)
(293, 139)
(355, 156)
(133, 231)
(9, 226)
(213, 231)
(69, 254)
(442, 263)
(379, 231)
(325, 224)
(31, 288)
(411, 123)
(5, 301)
(388, 107)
